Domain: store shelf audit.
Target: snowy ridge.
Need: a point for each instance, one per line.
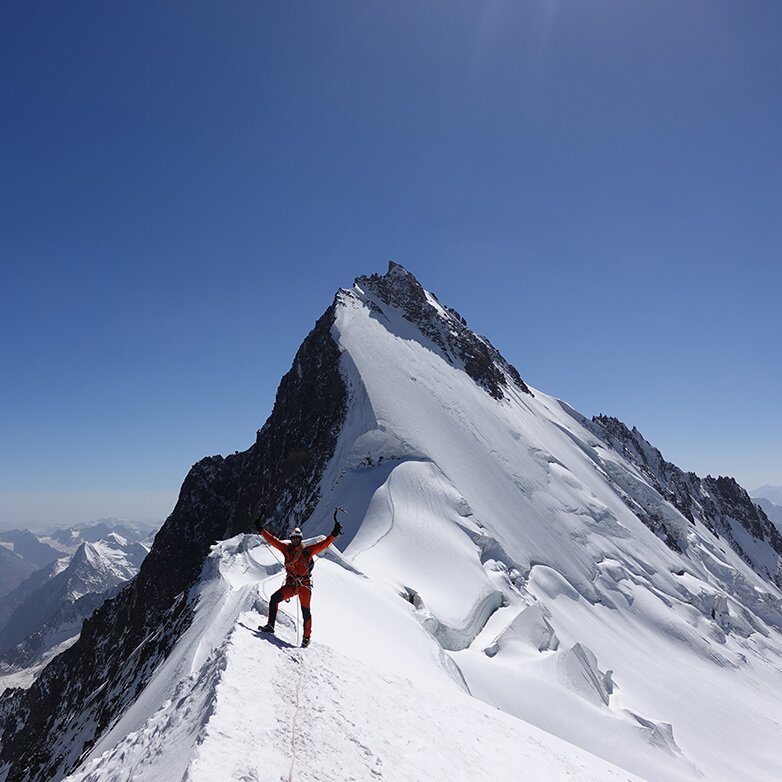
(229, 704)
(723, 506)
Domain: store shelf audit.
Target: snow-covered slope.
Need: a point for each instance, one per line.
(520, 591)
(485, 510)
(231, 704)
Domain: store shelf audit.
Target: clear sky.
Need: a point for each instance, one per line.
(596, 186)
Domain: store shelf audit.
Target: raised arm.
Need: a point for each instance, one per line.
(316, 548)
(272, 541)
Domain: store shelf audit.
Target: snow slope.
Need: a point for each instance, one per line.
(481, 509)
(232, 705)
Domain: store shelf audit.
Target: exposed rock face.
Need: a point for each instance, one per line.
(47, 728)
(280, 477)
(445, 327)
(720, 504)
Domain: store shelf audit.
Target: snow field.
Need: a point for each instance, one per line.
(247, 707)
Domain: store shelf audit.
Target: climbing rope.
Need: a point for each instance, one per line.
(293, 721)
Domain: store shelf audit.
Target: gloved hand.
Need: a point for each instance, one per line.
(337, 529)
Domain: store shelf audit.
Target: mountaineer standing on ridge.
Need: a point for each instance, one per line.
(298, 568)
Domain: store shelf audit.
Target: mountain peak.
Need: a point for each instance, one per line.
(86, 553)
(444, 329)
(397, 286)
(397, 268)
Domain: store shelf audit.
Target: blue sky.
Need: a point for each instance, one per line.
(595, 185)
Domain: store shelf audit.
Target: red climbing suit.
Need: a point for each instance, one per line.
(298, 581)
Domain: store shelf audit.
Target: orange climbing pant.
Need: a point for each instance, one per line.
(286, 592)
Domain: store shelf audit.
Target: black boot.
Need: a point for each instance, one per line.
(267, 628)
(305, 642)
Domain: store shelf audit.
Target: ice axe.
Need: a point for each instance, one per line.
(336, 520)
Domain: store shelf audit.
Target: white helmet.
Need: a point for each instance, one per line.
(295, 533)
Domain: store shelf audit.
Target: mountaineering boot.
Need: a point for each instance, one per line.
(305, 642)
(267, 628)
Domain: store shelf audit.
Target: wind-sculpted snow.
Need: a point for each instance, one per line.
(240, 706)
(442, 571)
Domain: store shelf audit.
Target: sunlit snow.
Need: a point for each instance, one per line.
(495, 610)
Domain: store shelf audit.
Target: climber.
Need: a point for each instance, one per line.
(298, 568)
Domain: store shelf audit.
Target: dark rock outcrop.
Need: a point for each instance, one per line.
(720, 504)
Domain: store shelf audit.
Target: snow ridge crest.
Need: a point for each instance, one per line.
(443, 326)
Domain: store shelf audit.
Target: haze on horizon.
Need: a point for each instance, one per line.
(595, 187)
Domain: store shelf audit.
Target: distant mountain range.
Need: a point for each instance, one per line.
(769, 498)
(27, 546)
(70, 538)
(30, 551)
(13, 569)
(771, 493)
(58, 579)
(773, 511)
